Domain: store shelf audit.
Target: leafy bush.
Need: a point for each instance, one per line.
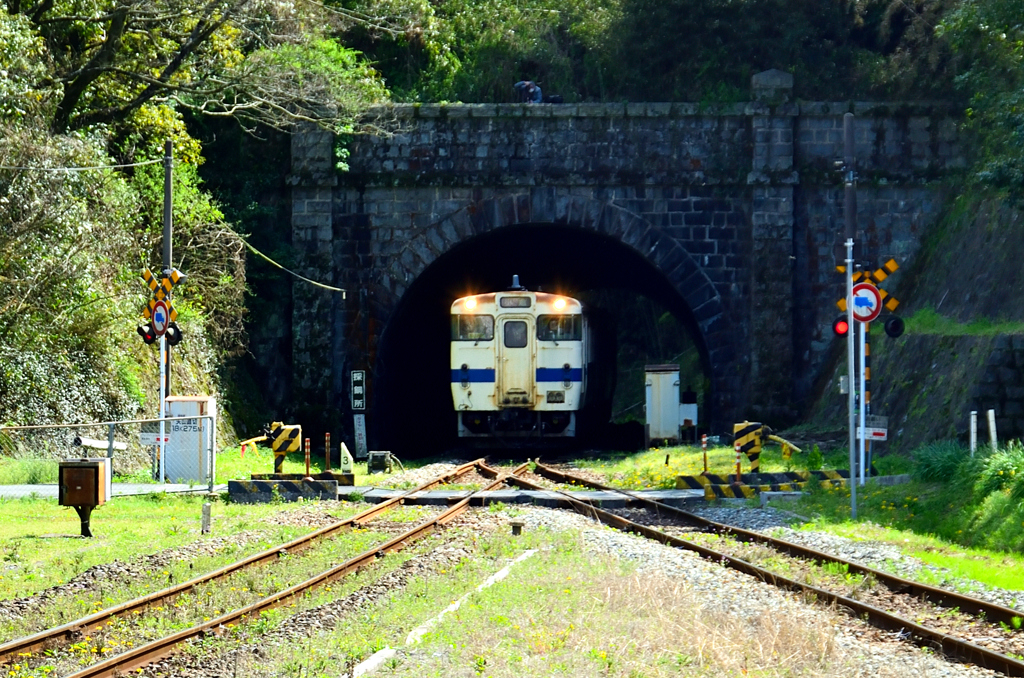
(940, 461)
(815, 460)
(1000, 470)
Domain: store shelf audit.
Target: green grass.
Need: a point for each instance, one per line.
(27, 471)
(928, 321)
(927, 520)
(40, 546)
(647, 469)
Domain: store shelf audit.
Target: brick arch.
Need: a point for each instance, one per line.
(680, 268)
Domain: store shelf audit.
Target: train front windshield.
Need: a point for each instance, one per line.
(472, 328)
(560, 327)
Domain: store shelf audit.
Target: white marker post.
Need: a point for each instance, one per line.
(974, 431)
(862, 388)
(851, 365)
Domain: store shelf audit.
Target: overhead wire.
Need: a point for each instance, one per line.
(297, 275)
(80, 169)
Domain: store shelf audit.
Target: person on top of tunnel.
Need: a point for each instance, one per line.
(529, 91)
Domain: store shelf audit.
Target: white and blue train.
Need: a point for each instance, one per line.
(521, 364)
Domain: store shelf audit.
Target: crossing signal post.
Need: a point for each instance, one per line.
(863, 304)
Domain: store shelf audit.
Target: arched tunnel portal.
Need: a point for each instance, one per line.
(412, 405)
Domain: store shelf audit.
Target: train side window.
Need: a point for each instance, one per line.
(472, 327)
(516, 334)
(560, 327)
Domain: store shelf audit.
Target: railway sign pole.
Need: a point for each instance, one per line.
(850, 224)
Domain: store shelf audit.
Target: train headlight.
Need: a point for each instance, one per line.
(470, 304)
(559, 304)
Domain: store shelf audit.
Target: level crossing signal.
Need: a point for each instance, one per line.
(158, 311)
(894, 325)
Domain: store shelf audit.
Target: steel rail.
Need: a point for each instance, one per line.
(66, 633)
(933, 594)
(921, 635)
(158, 649)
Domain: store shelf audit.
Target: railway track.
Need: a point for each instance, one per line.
(911, 593)
(66, 634)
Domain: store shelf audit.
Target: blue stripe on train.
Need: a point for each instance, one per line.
(544, 374)
(559, 374)
(475, 375)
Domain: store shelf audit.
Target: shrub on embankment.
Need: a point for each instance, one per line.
(981, 493)
(973, 501)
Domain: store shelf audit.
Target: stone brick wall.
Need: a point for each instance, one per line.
(737, 205)
(1002, 388)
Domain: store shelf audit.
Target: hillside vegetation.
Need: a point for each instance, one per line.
(102, 84)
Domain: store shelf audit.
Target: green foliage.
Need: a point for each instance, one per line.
(456, 50)
(928, 321)
(655, 50)
(1003, 470)
(815, 459)
(23, 64)
(988, 37)
(259, 63)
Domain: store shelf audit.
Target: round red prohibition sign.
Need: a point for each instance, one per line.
(867, 302)
(161, 317)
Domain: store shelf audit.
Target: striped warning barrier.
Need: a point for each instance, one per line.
(341, 478)
(735, 491)
(781, 478)
(262, 491)
(699, 482)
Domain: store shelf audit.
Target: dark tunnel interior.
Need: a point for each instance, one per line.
(412, 398)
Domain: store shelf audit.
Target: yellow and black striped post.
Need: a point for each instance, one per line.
(283, 439)
(748, 440)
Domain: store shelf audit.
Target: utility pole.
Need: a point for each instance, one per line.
(168, 164)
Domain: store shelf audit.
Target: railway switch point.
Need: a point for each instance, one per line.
(379, 462)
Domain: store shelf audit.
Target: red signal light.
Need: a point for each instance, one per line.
(146, 332)
(841, 326)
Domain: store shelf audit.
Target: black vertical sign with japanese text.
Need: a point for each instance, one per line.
(358, 390)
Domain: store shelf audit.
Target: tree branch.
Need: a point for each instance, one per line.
(74, 90)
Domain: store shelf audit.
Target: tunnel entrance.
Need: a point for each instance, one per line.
(412, 412)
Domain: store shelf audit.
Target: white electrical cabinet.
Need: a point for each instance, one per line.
(665, 414)
(189, 455)
(662, 390)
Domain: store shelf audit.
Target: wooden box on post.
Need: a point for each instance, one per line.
(84, 484)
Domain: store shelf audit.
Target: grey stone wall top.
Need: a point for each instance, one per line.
(660, 109)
